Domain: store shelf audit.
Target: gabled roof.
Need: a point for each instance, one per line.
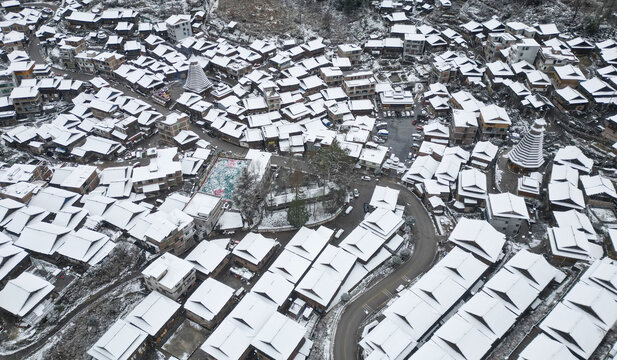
(209, 299)
(279, 337)
(273, 287)
(542, 347)
(86, 246)
(23, 293)
(574, 157)
(290, 265)
(207, 256)
(309, 243)
(119, 342)
(478, 237)
(508, 205)
(254, 247)
(152, 313)
(43, 238)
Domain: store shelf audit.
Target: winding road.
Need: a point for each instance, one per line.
(349, 327)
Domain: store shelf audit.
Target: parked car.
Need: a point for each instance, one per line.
(420, 127)
(348, 210)
(366, 178)
(339, 233)
(356, 193)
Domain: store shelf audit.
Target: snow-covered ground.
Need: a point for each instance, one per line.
(277, 219)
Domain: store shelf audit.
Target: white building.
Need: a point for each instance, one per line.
(178, 27)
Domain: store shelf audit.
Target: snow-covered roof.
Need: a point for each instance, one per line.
(309, 243)
(152, 313)
(209, 299)
(124, 214)
(494, 115)
(568, 242)
(43, 238)
(207, 256)
(574, 329)
(598, 185)
(543, 347)
(319, 286)
(532, 266)
(22, 294)
(168, 270)
(362, 243)
(254, 247)
(478, 237)
(384, 197)
(423, 168)
(54, 199)
(86, 246)
(273, 287)
(566, 195)
(576, 219)
(382, 222)
(290, 265)
(574, 157)
(507, 205)
(119, 342)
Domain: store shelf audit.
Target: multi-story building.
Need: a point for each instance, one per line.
(7, 83)
(549, 57)
(413, 45)
(26, 100)
(159, 176)
(13, 41)
(496, 42)
(360, 88)
(22, 70)
(526, 49)
(463, 127)
(506, 212)
(171, 125)
(332, 76)
(69, 48)
(178, 27)
(80, 179)
(165, 231)
(351, 51)
(494, 122)
(169, 275)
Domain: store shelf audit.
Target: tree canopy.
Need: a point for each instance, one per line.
(297, 214)
(246, 195)
(332, 163)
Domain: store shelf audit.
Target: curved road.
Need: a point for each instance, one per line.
(349, 329)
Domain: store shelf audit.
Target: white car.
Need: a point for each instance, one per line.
(356, 193)
(366, 178)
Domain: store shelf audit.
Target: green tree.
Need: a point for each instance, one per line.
(405, 253)
(345, 297)
(395, 260)
(333, 165)
(297, 214)
(246, 196)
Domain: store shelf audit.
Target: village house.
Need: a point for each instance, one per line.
(169, 275)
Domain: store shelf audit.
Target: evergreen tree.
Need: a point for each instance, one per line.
(246, 196)
(297, 214)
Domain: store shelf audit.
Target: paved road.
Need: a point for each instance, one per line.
(349, 329)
